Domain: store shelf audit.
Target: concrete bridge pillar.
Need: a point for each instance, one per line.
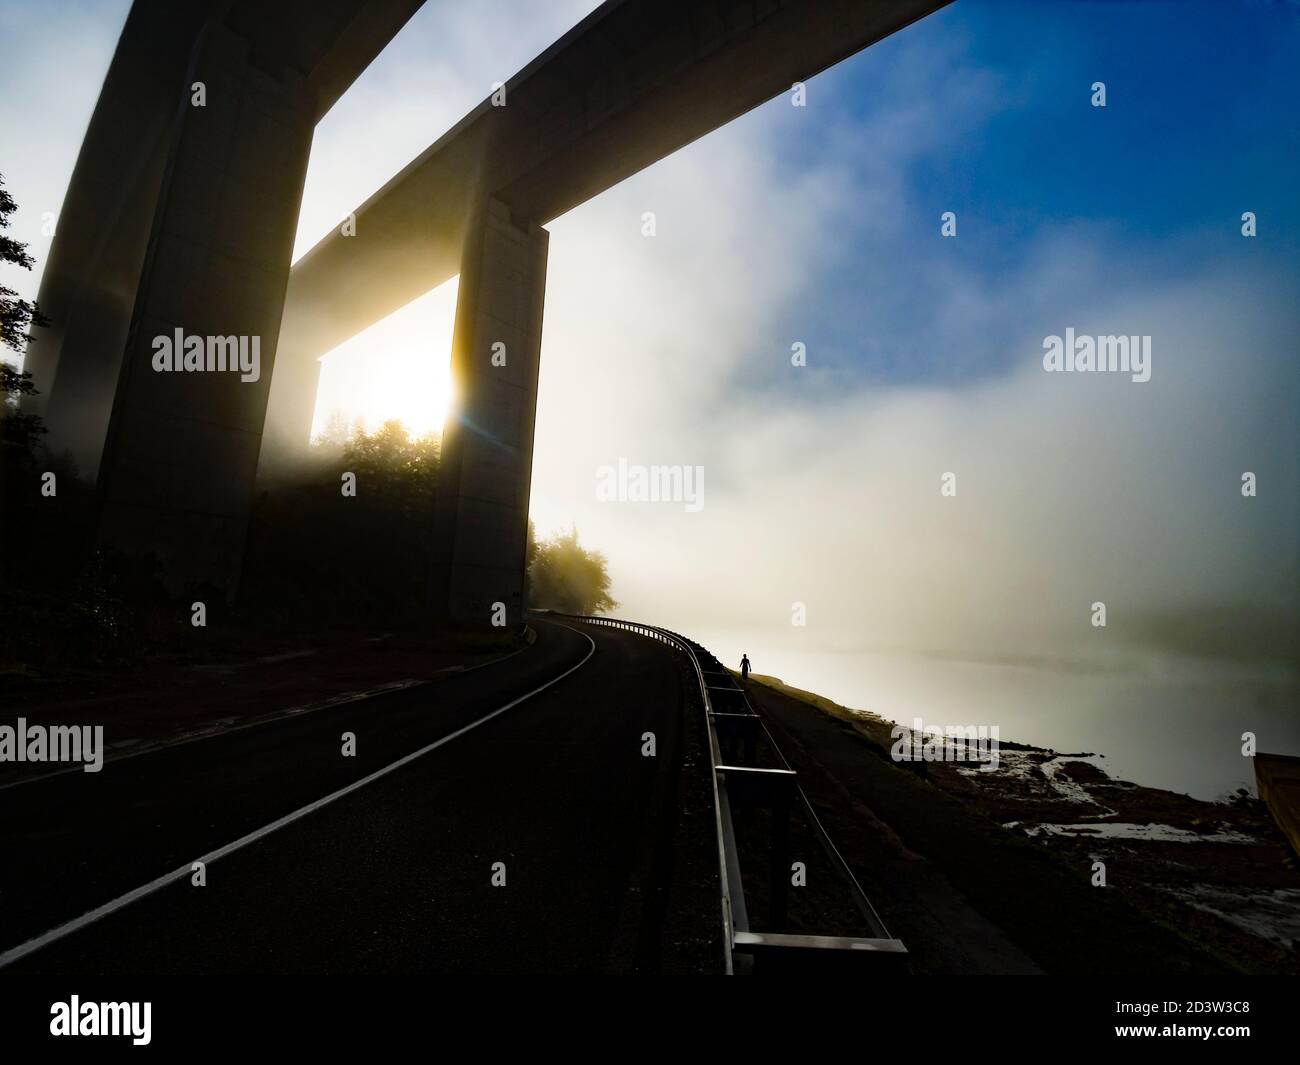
(81, 357)
(182, 446)
(291, 406)
(481, 504)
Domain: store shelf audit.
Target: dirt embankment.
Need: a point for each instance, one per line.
(1189, 886)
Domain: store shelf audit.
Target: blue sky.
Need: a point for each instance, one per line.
(1200, 125)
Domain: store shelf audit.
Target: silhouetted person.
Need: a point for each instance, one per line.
(744, 667)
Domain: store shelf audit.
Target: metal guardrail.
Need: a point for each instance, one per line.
(735, 726)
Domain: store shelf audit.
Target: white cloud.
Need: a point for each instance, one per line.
(826, 490)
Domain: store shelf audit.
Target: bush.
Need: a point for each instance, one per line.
(566, 577)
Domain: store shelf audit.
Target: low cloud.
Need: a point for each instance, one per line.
(824, 483)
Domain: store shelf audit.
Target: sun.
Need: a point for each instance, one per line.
(398, 368)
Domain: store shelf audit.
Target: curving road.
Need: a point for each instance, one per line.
(599, 843)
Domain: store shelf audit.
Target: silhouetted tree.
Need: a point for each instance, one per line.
(17, 316)
(58, 606)
(337, 432)
(373, 564)
(565, 576)
(19, 433)
(395, 467)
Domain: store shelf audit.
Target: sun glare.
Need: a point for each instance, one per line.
(398, 368)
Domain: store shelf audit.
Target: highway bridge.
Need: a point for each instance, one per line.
(183, 216)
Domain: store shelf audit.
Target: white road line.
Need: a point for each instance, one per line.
(78, 923)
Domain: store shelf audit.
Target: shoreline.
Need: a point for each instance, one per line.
(1218, 873)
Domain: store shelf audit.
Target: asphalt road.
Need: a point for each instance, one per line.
(396, 876)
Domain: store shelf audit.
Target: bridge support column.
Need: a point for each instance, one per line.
(291, 406)
(481, 504)
(94, 263)
(182, 445)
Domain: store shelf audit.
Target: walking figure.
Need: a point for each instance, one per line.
(744, 667)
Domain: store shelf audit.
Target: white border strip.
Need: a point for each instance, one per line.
(78, 923)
